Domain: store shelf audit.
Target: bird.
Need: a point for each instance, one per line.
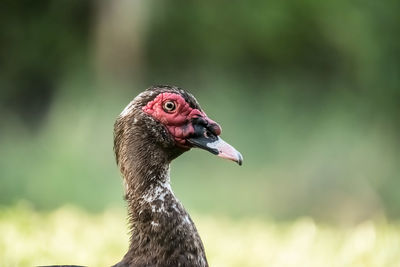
(156, 127)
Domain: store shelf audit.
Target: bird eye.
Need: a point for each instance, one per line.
(169, 106)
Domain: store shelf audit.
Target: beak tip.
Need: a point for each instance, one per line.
(240, 159)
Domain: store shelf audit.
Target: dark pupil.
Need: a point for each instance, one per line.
(170, 105)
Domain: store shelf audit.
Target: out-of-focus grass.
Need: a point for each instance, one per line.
(71, 236)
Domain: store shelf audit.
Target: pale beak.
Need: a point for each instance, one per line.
(226, 151)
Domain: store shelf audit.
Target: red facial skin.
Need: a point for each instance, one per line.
(178, 121)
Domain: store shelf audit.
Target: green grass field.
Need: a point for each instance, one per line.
(71, 236)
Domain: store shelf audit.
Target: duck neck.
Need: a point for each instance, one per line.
(147, 187)
(158, 221)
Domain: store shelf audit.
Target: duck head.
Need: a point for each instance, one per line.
(172, 118)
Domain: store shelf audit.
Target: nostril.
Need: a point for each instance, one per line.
(207, 134)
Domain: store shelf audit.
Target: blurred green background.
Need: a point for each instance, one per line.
(308, 91)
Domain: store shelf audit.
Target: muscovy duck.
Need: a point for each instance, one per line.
(158, 125)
